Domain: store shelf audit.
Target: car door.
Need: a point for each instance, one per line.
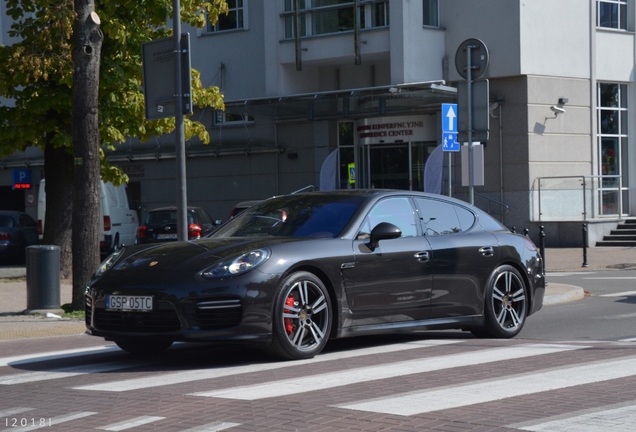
(393, 281)
(462, 257)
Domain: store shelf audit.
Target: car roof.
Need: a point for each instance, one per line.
(13, 213)
(173, 208)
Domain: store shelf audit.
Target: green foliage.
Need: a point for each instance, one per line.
(37, 73)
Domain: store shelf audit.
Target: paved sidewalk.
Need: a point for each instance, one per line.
(16, 324)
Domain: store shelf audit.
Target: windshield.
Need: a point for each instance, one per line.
(310, 215)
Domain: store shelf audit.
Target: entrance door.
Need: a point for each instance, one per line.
(395, 166)
(389, 166)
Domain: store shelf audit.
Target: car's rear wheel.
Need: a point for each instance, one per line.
(506, 304)
(302, 317)
(143, 346)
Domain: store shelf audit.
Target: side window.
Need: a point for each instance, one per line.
(27, 221)
(441, 218)
(397, 211)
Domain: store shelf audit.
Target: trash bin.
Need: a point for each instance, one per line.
(43, 277)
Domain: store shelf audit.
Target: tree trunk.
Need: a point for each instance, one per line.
(59, 199)
(86, 144)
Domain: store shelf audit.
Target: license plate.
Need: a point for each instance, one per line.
(129, 303)
(166, 236)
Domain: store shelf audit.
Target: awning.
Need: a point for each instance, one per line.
(400, 99)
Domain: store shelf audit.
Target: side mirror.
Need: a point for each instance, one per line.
(383, 231)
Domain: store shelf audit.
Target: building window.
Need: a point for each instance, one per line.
(234, 20)
(431, 13)
(319, 17)
(224, 118)
(612, 146)
(612, 14)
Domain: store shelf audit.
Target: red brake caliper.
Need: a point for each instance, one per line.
(289, 324)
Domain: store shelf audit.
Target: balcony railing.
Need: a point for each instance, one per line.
(578, 198)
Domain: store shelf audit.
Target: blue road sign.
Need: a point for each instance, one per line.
(449, 118)
(20, 178)
(449, 142)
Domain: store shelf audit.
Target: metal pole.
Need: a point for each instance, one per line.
(182, 200)
(297, 35)
(469, 88)
(542, 245)
(450, 175)
(584, 246)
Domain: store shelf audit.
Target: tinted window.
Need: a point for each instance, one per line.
(203, 217)
(294, 216)
(397, 211)
(440, 217)
(6, 221)
(27, 221)
(162, 217)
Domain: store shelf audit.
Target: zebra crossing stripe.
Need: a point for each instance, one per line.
(371, 373)
(66, 372)
(13, 411)
(614, 418)
(54, 355)
(211, 373)
(131, 423)
(501, 388)
(212, 427)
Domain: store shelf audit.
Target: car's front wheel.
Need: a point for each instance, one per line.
(506, 304)
(143, 346)
(302, 317)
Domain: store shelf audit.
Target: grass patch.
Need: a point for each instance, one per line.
(72, 314)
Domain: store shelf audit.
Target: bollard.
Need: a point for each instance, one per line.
(584, 245)
(542, 245)
(43, 277)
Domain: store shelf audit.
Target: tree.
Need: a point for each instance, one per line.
(36, 78)
(86, 140)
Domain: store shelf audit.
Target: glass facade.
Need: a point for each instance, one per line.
(612, 146)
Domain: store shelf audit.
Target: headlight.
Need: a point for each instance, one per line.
(108, 263)
(238, 265)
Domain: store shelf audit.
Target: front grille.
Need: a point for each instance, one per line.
(218, 314)
(88, 309)
(161, 320)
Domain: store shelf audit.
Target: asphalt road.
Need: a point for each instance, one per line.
(608, 312)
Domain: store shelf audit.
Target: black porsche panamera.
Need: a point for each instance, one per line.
(296, 271)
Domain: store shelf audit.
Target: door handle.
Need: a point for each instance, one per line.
(423, 256)
(487, 251)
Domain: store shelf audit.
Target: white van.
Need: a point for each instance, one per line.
(118, 224)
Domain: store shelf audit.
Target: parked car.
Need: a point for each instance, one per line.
(160, 225)
(18, 230)
(295, 271)
(118, 222)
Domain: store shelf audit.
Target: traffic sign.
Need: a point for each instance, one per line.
(158, 69)
(20, 178)
(449, 118)
(449, 142)
(472, 55)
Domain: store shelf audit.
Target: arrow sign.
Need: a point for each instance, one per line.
(449, 113)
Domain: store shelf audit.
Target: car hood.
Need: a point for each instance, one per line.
(184, 258)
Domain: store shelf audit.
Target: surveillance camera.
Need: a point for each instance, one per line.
(557, 109)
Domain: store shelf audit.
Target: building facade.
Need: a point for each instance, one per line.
(342, 94)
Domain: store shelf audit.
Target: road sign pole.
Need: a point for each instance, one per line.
(469, 86)
(182, 200)
(450, 175)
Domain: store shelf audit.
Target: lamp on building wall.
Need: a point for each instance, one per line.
(558, 108)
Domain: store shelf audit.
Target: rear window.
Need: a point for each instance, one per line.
(6, 221)
(162, 217)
